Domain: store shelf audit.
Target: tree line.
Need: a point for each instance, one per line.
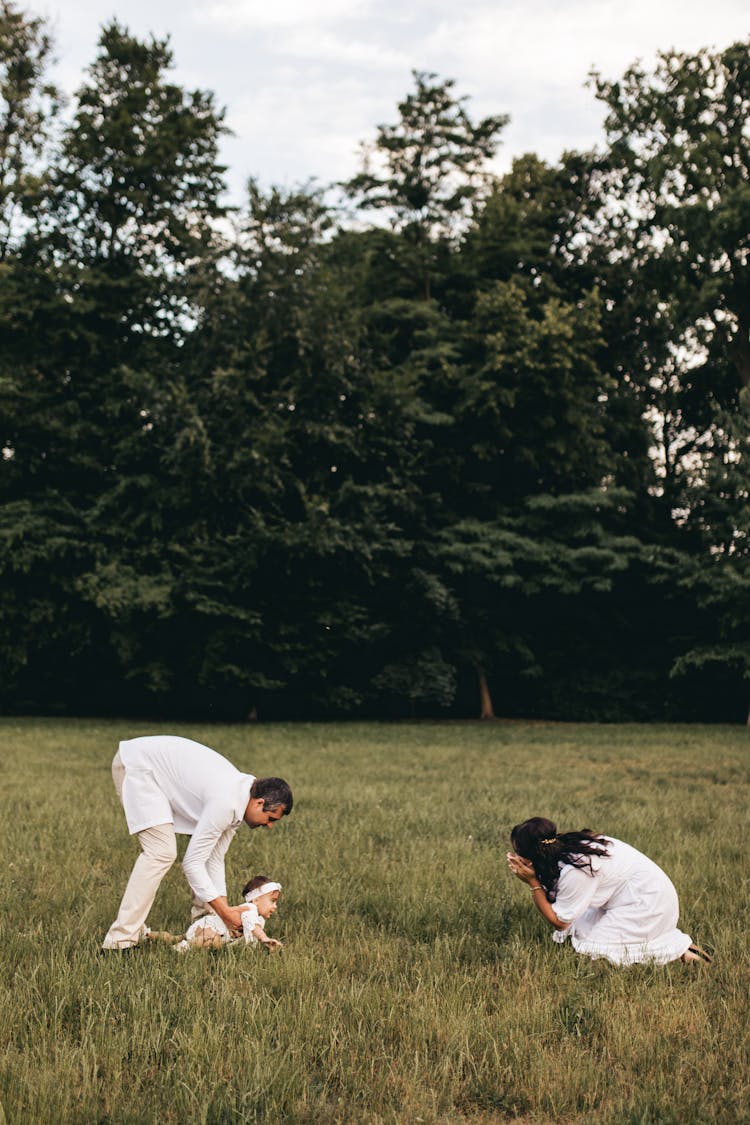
(429, 442)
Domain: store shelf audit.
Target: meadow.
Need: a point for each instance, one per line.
(417, 983)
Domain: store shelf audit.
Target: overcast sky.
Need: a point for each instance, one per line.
(304, 81)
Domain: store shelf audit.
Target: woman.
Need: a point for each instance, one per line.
(609, 899)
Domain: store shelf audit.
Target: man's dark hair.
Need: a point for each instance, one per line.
(274, 792)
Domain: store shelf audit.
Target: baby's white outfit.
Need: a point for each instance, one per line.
(250, 919)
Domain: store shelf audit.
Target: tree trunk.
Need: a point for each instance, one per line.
(486, 709)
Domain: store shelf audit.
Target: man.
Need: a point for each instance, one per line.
(168, 785)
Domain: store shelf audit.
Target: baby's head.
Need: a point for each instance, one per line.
(263, 894)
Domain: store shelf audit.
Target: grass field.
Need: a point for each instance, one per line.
(417, 984)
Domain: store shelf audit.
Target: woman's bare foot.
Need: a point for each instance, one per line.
(695, 953)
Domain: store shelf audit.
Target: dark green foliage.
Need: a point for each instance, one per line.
(715, 657)
(490, 454)
(97, 302)
(677, 206)
(426, 172)
(28, 104)
(433, 160)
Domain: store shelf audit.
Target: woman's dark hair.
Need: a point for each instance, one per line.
(274, 792)
(255, 882)
(538, 840)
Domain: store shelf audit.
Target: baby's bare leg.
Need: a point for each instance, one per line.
(161, 935)
(206, 937)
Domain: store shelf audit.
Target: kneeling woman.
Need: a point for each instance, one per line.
(609, 899)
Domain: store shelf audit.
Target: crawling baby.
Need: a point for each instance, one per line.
(261, 896)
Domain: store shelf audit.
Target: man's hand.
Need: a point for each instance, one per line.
(230, 915)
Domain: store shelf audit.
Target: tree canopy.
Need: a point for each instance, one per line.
(471, 444)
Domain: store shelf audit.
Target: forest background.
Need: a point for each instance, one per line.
(429, 442)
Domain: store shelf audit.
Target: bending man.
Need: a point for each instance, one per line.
(169, 785)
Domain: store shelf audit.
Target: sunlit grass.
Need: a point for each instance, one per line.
(416, 983)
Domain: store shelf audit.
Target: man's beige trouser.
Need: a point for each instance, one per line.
(158, 853)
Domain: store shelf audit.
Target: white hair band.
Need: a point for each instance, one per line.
(265, 889)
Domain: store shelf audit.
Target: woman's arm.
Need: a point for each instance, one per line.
(524, 870)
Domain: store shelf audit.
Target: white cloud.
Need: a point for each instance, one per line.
(318, 47)
(233, 15)
(306, 80)
(546, 45)
(300, 139)
(533, 60)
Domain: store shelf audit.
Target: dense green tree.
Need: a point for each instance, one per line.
(677, 215)
(96, 336)
(289, 465)
(531, 417)
(715, 659)
(139, 176)
(426, 171)
(532, 583)
(545, 227)
(29, 103)
(528, 227)
(307, 478)
(514, 391)
(424, 175)
(528, 424)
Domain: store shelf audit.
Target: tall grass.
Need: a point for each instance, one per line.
(417, 984)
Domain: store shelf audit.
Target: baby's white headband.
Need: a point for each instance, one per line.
(262, 890)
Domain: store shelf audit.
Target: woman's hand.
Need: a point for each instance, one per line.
(522, 868)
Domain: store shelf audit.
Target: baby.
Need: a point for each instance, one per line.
(210, 932)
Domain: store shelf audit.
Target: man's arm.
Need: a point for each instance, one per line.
(204, 860)
(216, 874)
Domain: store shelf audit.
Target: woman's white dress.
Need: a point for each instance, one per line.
(250, 919)
(625, 911)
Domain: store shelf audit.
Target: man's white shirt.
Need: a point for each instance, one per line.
(173, 780)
